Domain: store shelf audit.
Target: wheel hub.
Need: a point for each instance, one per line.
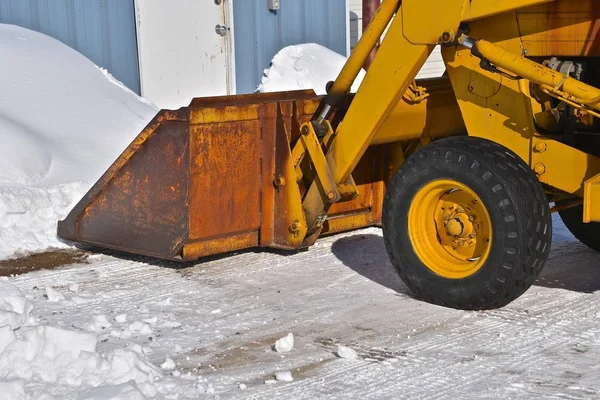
(459, 225)
(450, 229)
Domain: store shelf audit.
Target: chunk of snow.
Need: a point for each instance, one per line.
(74, 287)
(15, 309)
(285, 344)
(168, 364)
(54, 295)
(304, 66)
(121, 318)
(270, 382)
(98, 323)
(242, 386)
(140, 327)
(217, 311)
(152, 321)
(63, 122)
(285, 376)
(346, 352)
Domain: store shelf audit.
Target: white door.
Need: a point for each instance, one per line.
(181, 54)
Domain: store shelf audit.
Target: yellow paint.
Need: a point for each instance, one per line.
(591, 199)
(506, 115)
(578, 92)
(393, 69)
(450, 229)
(208, 115)
(477, 9)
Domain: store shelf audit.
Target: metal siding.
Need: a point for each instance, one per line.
(101, 30)
(260, 34)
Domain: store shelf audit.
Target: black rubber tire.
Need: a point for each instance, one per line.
(520, 221)
(588, 234)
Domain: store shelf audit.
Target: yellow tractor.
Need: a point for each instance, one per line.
(462, 173)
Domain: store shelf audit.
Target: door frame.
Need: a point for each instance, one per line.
(229, 46)
(229, 22)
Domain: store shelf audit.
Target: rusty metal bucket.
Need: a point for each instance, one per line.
(214, 177)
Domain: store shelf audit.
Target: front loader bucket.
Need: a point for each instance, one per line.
(213, 177)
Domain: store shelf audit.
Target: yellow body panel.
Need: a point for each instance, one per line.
(591, 211)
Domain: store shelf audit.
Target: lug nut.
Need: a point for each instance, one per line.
(331, 195)
(461, 242)
(305, 130)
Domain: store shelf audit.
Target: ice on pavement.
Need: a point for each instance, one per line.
(347, 353)
(285, 344)
(63, 121)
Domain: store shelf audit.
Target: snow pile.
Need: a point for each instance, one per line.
(63, 121)
(49, 354)
(304, 66)
(311, 66)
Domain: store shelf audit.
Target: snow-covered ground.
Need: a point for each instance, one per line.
(213, 329)
(332, 322)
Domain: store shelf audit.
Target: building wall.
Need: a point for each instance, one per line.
(102, 30)
(259, 33)
(434, 67)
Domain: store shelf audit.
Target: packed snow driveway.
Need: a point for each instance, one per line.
(213, 327)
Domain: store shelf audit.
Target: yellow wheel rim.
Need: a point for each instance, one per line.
(450, 229)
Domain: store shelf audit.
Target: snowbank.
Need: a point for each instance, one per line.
(63, 121)
(304, 66)
(311, 66)
(48, 355)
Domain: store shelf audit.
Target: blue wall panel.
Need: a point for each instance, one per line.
(102, 30)
(259, 34)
